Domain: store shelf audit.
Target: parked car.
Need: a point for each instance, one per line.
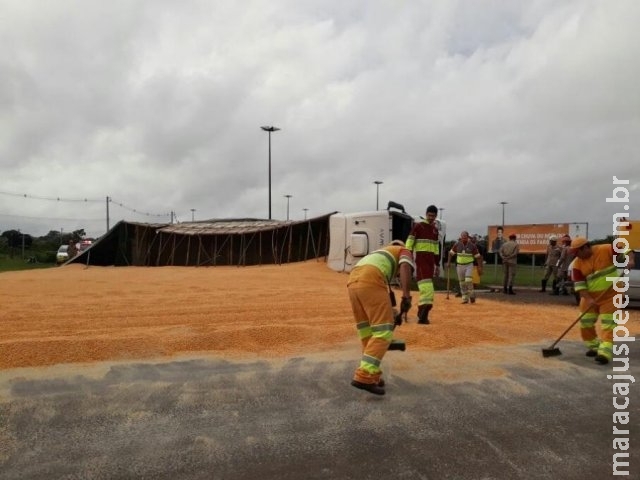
(62, 255)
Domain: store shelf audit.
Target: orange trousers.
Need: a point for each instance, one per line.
(603, 311)
(373, 315)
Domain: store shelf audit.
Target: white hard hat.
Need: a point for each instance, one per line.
(553, 238)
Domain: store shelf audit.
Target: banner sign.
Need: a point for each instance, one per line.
(532, 238)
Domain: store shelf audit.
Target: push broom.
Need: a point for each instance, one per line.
(552, 351)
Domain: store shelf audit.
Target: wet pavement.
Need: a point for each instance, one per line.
(492, 413)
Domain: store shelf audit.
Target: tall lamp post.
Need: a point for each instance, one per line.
(503, 204)
(378, 183)
(305, 212)
(288, 198)
(441, 214)
(193, 213)
(497, 246)
(270, 129)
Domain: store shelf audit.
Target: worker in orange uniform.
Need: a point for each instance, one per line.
(465, 252)
(369, 294)
(592, 273)
(423, 241)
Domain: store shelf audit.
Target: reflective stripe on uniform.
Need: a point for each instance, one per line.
(426, 246)
(427, 293)
(411, 239)
(383, 332)
(606, 350)
(364, 329)
(383, 261)
(464, 258)
(597, 281)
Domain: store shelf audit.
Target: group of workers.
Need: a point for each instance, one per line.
(556, 264)
(372, 301)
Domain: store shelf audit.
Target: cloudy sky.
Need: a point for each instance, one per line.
(158, 105)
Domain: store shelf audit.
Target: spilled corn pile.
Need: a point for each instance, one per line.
(74, 314)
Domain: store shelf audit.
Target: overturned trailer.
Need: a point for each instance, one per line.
(209, 243)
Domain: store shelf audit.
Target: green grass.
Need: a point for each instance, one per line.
(526, 276)
(8, 264)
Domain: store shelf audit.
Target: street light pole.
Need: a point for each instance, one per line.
(503, 204)
(378, 183)
(441, 214)
(288, 197)
(305, 212)
(497, 246)
(193, 211)
(269, 130)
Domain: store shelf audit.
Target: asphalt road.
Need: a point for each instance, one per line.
(492, 413)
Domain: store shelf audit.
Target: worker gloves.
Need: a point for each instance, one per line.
(405, 304)
(397, 318)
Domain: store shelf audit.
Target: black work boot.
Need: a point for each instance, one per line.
(423, 314)
(544, 286)
(554, 288)
(369, 387)
(511, 292)
(504, 289)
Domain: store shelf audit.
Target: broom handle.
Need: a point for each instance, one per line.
(578, 319)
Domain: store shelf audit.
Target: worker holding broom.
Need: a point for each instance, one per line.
(594, 275)
(423, 241)
(372, 301)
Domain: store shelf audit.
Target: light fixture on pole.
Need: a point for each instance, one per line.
(503, 204)
(305, 212)
(288, 198)
(441, 214)
(269, 130)
(378, 183)
(193, 212)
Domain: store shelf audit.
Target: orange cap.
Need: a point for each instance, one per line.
(578, 242)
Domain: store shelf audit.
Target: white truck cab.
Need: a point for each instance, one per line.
(354, 235)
